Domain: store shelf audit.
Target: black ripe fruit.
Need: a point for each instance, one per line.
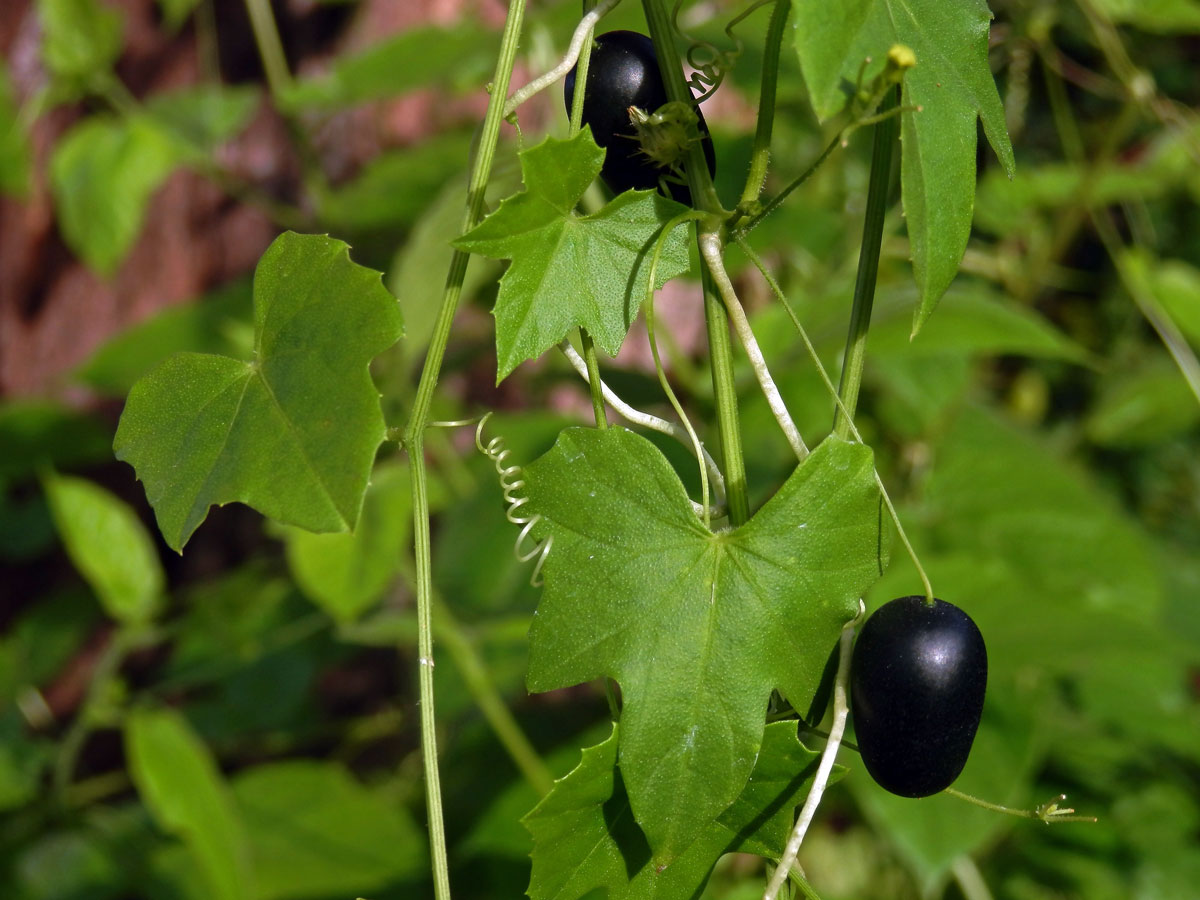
(622, 73)
(917, 680)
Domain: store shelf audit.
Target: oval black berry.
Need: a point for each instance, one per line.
(917, 680)
(622, 73)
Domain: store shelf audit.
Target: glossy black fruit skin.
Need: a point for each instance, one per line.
(623, 72)
(917, 680)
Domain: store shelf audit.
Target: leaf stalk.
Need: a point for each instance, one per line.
(887, 131)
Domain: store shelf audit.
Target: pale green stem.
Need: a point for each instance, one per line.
(658, 368)
(414, 440)
(654, 423)
(479, 683)
(270, 47)
(828, 382)
(710, 249)
(582, 35)
(841, 711)
(969, 879)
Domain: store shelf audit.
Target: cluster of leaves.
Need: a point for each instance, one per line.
(1041, 444)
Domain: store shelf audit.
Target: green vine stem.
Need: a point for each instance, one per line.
(124, 640)
(720, 354)
(1048, 812)
(479, 684)
(270, 47)
(1102, 222)
(887, 132)
(581, 74)
(704, 195)
(580, 43)
(761, 153)
(414, 439)
(841, 712)
(710, 249)
(581, 67)
(648, 303)
(593, 379)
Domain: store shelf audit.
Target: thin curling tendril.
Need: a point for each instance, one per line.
(710, 69)
(697, 447)
(812, 353)
(511, 483)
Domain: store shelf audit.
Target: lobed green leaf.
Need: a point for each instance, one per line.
(570, 271)
(293, 432)
(697, 627)
(950, 87)
(585, 837)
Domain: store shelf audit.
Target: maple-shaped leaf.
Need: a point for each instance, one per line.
(697, 627)
(951, 84)
(293, 431)
(585, 838)
(569, 270)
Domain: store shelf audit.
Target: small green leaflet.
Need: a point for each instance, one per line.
(16, 154)
(81, 39)
(109, 546)
(570, 271)
(697, 627)
(346, 573)
(104, 171)
(314, 830)
(585, 838)
(951, 83)
(293, 432)
(181, 786)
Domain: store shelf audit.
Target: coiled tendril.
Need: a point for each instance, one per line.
(709, 62)
(511, 482)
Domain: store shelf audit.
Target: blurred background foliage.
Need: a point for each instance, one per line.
(240, 722)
